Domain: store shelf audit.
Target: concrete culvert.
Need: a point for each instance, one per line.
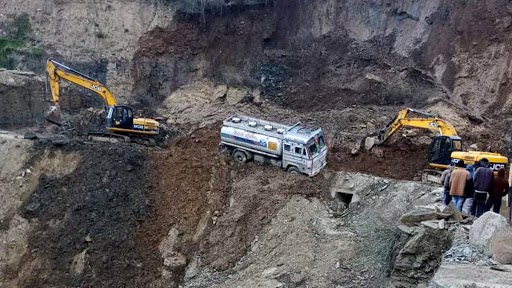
(344, 199)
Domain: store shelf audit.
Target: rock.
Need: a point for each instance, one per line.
(420, 256)
(220, 92)
(434, 224)
(369, 142)
(166, 247)
(354, 151)
(88, 238)
(30, 136)
(177, 261)
(256, 94)
(501, 246)
(79, 261)
(466, 275)
(485, 228)
(418, 215)
(373, 77)
(407, 229)
(59, 140)
(235, 95)
(23, 73)
(269, 272)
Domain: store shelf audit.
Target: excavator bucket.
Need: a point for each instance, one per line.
(53, 115)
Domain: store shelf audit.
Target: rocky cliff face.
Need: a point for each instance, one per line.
(21, 101)
(97, 37)
(300, 53)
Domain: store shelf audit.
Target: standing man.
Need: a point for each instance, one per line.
(484, 177)
(469, 193)
(458, 179)
(445, 181)
(499, 189)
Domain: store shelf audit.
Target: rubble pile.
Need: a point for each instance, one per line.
(462, 251)
(472, 250)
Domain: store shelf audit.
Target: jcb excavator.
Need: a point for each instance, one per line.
(120, 122)
(445, 148)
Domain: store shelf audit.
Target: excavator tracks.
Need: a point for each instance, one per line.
(431, 176)
(107, 137)
(116, 138)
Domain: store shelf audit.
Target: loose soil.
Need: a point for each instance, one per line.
(217, 206)
(398, 161)
(95, 209)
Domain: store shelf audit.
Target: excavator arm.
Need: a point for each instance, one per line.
(428, 121)
(57, 71)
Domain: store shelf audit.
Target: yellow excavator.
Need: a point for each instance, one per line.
(120, 122)
(445, 148)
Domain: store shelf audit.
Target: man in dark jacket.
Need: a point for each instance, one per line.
(499, 190)
(445, 181)
(483, 179)
(469, 192)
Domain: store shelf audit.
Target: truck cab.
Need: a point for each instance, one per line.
(304, 151)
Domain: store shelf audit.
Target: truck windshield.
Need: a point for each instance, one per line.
(315, 145)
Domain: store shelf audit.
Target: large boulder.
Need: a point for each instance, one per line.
(493, 235)
(501, 246)
(420, 256)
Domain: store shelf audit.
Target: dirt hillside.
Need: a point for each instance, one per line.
(81, 213)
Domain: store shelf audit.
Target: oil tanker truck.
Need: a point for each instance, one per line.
(297, 149)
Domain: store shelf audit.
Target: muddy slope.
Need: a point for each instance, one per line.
(94, 211)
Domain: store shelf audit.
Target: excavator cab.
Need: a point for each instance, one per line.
(442, 147)
(120, 117)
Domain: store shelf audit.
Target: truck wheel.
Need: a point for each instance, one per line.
(294, 170)
(240, 157)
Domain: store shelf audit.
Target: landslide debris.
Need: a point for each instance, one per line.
(214, 206)
(89, 218)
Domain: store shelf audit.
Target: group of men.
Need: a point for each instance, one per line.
(474, 189)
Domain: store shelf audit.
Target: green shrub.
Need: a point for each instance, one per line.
(21, 27)
(7, 46)
(16, 41)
